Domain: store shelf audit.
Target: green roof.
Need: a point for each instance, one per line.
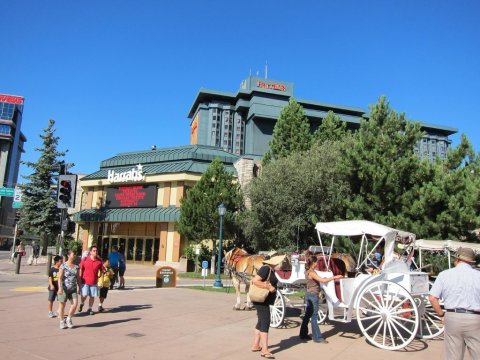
(159, 214)
(181, 159)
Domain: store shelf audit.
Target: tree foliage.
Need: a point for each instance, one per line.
(199, 219)
(291, 133)
(380, 164)
(39, 214)
(332, 128)
(292, 194)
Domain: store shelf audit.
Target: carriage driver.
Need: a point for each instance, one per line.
(460, 289)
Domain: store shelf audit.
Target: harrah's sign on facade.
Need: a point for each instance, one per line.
(136, 174)
(273, 86)
(11, 99)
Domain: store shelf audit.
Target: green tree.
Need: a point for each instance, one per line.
(332, 128)
(293, 194)
(291, 133)
(445, 204)
(381, 164)
(39, 214)
(199, 217)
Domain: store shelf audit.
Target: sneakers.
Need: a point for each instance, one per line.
(62, 324)
(321, 341)
(69, 323)
(100, 308)
(51, 314)
(80, 307)
(305, 337)
(90, 312)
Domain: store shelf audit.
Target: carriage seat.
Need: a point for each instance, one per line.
(283, 274)
(337, 267)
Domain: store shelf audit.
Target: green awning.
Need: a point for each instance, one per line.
(159, 214)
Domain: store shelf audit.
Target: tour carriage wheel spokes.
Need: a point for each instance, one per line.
(277, 311)
(431, 324)
(387, 315)
(322, 307)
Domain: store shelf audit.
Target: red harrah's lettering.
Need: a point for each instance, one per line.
(130, 195)
(11, 99)
(265, 85)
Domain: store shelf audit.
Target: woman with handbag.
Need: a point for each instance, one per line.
(264, 280)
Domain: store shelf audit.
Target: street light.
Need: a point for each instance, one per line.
(218, 281)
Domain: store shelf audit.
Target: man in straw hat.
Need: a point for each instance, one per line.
(460, 289)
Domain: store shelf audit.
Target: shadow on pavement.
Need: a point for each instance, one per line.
(106, 323)
(286, 344)
(128, 308)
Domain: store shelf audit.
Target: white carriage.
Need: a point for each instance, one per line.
(389, 306)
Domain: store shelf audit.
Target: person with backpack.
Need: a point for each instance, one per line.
(53, 283)
(68, 283)
(35, 252)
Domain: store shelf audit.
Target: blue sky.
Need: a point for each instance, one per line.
(120, 76)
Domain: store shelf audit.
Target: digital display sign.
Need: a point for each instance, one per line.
(131, 196)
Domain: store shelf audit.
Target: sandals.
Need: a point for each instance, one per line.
(268, 356)
(255, 350)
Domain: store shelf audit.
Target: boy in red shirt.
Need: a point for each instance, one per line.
(89, 268)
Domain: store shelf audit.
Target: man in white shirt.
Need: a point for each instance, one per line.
(459, 288)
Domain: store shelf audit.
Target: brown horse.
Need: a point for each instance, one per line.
(242, 267)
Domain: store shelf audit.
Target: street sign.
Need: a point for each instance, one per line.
(204, 264)
(17, 204)
(7, 191)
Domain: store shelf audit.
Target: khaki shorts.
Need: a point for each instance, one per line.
(63, 297)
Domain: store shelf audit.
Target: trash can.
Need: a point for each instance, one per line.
(166, 276)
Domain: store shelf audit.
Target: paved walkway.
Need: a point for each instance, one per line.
(150, 323)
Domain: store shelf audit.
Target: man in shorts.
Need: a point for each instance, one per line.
(89, 269)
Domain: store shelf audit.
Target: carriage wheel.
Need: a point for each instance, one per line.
(431, 324)
(277, 311)
(322, 307)
(387, 315)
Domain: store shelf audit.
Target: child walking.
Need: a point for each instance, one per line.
(53, 284)
(105, 277)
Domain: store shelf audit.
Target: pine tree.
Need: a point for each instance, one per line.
(199, 219)
(291, 133)
(39, 214)
(332, 128)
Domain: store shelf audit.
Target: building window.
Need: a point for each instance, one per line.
(5, 129)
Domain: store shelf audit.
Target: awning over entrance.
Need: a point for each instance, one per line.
(159, 214)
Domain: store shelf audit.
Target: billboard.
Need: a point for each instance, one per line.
(131, 196)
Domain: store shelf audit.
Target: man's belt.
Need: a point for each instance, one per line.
(463, 311)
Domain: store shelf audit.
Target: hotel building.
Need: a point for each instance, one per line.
(242, 123)
(11, 148)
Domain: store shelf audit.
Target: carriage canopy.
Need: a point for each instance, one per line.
(366, 229)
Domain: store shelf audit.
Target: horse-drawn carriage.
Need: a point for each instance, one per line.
(390, 305)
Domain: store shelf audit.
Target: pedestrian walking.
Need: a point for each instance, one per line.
(312, 299)
(114, 258)
(105, 278)
(266, 279)
(35, 252)
(122, 267)
(53, 284)
(89, 268)
(459, 288)
(68, 283)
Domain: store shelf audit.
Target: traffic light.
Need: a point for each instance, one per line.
(67, 186)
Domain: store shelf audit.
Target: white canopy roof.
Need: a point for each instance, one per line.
(359, 227)
(451, 245)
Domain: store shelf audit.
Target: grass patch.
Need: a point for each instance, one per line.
(196, 275)
(210, 288)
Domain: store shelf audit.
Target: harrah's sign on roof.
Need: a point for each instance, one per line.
(136, 174)
(11, 99)
(264, 85)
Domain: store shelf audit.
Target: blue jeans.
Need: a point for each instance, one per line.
(311, 313)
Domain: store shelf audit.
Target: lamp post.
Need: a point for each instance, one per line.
(218, 281)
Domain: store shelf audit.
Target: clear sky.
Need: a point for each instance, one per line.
(121, 75)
